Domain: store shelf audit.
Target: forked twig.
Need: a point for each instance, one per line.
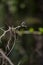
(3, 54)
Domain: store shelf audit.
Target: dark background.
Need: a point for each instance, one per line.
(28, 47)
(13, 12)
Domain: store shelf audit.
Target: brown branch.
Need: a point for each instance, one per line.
(3, 54)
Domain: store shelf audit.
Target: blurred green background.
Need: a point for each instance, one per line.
(13, 12)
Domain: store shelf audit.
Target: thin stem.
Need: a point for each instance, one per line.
(3, 54)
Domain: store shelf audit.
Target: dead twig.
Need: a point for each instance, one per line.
(3, 54)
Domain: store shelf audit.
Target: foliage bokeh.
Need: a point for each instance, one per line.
(12, 13)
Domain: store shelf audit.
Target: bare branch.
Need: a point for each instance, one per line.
(3, 54)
